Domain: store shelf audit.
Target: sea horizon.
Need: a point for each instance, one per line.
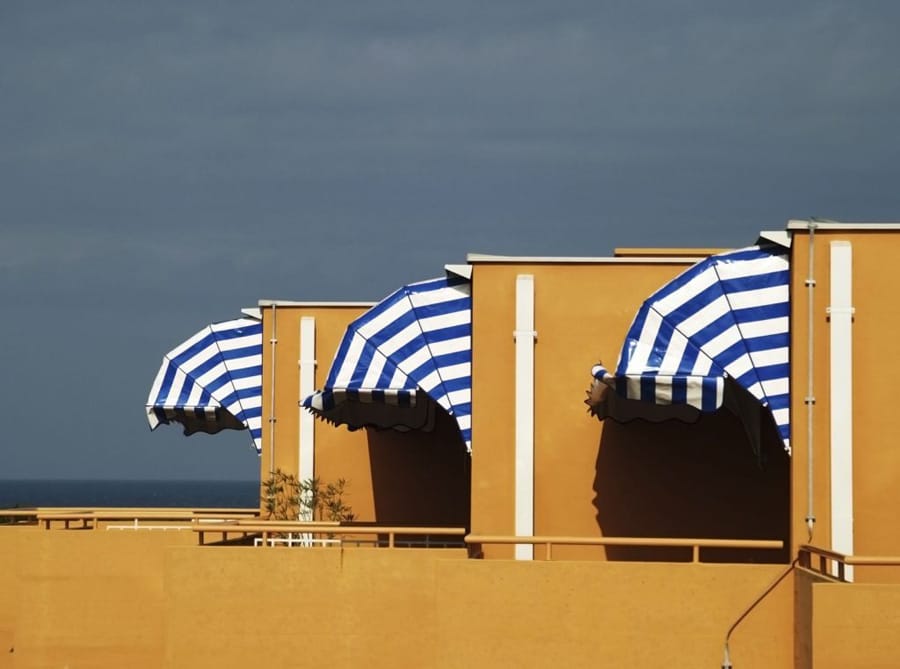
(128, 492)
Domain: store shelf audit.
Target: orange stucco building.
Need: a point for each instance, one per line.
(540, 466)
(410, 478)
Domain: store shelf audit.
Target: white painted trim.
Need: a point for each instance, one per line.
(306, 455)
(475, 258)
(289, 303)
(779, 237)
(252, 312)
(841, 314)
(795, 224)
(524, 337)
(464, 271)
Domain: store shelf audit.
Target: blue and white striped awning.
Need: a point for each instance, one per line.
(728, 316)
(416, 341)
(212, 381)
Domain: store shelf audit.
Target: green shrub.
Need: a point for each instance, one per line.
(284, 497)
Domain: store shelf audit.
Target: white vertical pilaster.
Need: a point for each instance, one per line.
(306, 455)
(525, 337)
(841, 377)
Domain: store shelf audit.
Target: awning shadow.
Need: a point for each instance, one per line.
(420, 478)
(698, 480)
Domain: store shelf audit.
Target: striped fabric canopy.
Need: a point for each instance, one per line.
(727, 316)
(212, 381)
(415, 342)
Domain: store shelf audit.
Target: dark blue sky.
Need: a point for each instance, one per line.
(164, 164)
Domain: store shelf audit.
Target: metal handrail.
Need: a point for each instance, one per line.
(266, 528)
(91, 517)
(840, 560)
(873, 560)
(247, 511)
(695, 544)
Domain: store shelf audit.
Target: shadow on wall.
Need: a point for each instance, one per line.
(421, 478)
(699, 480)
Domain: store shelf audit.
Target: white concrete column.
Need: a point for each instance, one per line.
(306, 455)
(525, 337)
(841, 377)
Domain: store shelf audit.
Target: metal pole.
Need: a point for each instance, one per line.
(810, 388)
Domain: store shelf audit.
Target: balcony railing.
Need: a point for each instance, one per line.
(695, 545)
(274, 532)
(139, 518)
(833, 564)
(245, 524)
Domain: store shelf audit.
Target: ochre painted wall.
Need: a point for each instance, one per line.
(582, 313)
(610, 614)
(415, 478)
(87, 598)
(855, 626)
(339, 453)
(876, 331)
(804, 579)
(302, 608)
(11, 539)
(591, 478)
(153, 599)
(410, 608)
(417, 609)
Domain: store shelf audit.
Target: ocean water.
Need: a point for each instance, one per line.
(196, 494)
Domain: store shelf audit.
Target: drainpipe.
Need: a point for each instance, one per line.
(841, 384)
(273, 340)
(726, 660)
(524, 336)
(810, 398)
(306, 447)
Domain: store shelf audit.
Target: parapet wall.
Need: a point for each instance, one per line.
(153, 599)
(855, 626)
